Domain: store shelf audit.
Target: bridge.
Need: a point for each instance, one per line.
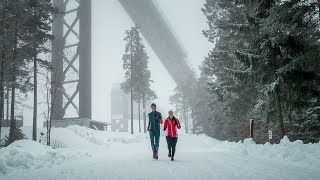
(71, 51)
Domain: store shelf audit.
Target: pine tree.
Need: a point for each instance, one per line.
(15, 10)
(142, 84)
(286, 50)
(269, 49)
(25, 26)
(182, 105)
(137, 76)
(176, 101)
(232, 99)
(293, 40)
(38, 27)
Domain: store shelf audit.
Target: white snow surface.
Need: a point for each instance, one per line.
(86, 154)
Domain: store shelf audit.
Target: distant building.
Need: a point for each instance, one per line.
(19, 122)
(63, 123)
(119, 109)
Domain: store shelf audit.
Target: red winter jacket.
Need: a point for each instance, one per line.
(171, 126)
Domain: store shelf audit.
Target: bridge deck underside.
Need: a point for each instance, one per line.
(160, 37)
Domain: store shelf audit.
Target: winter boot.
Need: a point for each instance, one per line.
(153, 152)
(172, 159)
(156, 154)
(169, 154)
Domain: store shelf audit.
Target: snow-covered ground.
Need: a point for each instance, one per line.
(88, 154)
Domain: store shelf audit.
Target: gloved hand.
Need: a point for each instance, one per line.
(176, 122)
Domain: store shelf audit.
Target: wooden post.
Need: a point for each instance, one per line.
(251, 128)
(270, 136)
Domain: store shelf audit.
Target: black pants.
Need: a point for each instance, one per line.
(172, 142)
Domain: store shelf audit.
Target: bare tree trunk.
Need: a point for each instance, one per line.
(2, 89)
(319, 7)
(35, 99)
(48, 107)
(131, 83)
(12, 113)
(53, 93)
(185, 113)
(279, 111)
(51, 115)
(8, 102)
(139, 110)
(50, 103)
(277, 91)
(131, 104)
(13, 124)
(49, 132)
(1, 93)
(144, 114)
(2, 58)
(187, 120)
(13, 84)
(193, 122)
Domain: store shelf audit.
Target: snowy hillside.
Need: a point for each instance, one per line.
(88, 154)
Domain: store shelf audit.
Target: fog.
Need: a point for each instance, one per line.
(77, 77)
(109, 21)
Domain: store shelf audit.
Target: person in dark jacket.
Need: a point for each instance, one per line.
(170, 125)
(155, 119)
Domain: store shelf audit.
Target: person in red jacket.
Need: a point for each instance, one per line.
(170, 125)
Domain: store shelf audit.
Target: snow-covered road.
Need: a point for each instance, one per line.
(89, 154)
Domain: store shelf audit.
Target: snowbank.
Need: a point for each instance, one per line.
(286, 151)
(27, 154)
(102, 137)
(85, 139)
(295, 152)
(91, 154)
